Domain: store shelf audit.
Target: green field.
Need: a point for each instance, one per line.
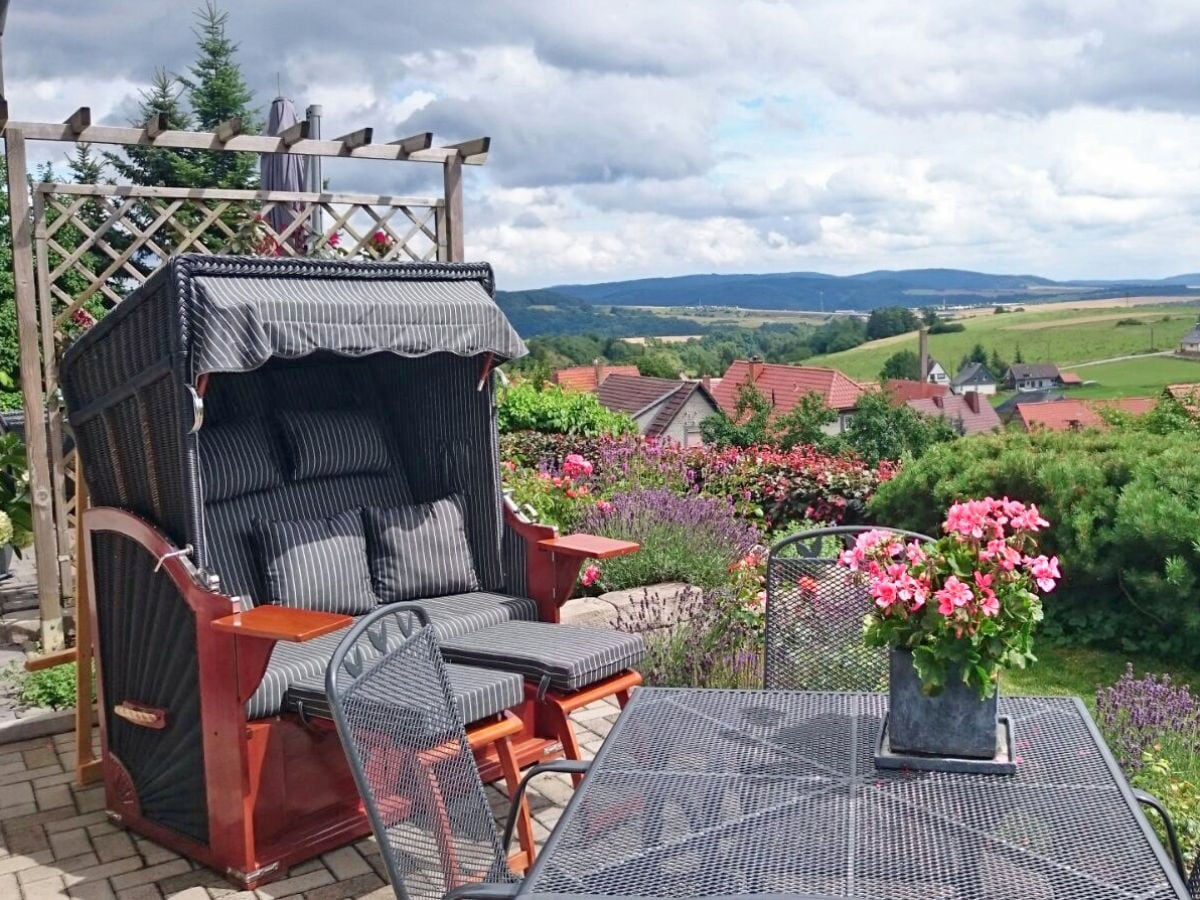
(1136, 377)
(1063, 337)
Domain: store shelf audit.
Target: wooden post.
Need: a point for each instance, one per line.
(44, 542)
(50, 385)
(87, 767)
(452, 177)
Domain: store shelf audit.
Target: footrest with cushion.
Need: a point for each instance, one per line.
(479, 693)
(563, 658)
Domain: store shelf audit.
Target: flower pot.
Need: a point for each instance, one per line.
(955, 723)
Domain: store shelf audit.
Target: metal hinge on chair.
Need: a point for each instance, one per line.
(186, 551)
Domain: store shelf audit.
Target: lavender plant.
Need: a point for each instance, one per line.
(686, 537)
(1137, 713)
(699, 638)
(1150, 722)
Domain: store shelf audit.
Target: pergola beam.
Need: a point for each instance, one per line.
(474, 151)
(155, 125)
(295, 133)
(228, 130)
(413, 143)
(79, 120)
(356, 139)
(247, 143)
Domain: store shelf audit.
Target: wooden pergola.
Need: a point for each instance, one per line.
(75, 243)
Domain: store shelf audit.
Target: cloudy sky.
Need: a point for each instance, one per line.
(665, 137)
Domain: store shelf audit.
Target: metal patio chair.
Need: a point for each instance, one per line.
(408, 750)
(815, 615)
(1191, 878)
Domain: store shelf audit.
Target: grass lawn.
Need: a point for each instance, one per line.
(1136, 377)
(1063, 670)
(1064, 337)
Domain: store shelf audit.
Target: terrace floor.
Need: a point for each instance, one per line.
(55, 840)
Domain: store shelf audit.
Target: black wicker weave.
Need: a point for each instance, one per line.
(209, 342)
(714, 793)
(815, 611)
(415, 771)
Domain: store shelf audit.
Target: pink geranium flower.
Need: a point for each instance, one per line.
(1045, 572)
(576, 466)
(954, 595)
(590, 576)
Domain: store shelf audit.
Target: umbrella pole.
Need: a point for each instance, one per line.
(315, 185)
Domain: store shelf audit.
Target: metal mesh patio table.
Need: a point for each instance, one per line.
(715, 793)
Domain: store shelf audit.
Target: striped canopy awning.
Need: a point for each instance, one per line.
(238, 320)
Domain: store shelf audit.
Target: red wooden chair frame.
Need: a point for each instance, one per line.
(278, 792)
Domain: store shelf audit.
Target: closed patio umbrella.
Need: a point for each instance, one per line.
(283, 172)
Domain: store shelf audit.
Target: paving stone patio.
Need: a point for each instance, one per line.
(55, 840)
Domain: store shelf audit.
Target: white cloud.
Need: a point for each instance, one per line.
(736, 135)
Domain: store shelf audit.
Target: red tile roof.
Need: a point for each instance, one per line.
(1187, 394)
(957, 409)
(901, 390)
(633, 393)
(785, 385)
(1070, 378)
(583, 378)
(1065, 415)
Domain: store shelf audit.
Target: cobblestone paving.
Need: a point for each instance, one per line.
(55, 840)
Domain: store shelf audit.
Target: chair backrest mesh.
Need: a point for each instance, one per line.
(815, 611)
(408, 749)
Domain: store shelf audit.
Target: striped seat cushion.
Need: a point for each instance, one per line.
(479, 693)
(292, 663)
(567, 658)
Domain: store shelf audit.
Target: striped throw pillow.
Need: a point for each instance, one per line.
(333, 442)
(420, 551)
(318, 564)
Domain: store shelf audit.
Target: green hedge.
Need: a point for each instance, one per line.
(1124, 508)
(551, 410)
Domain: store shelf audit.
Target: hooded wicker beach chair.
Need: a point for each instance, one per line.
(275, 448)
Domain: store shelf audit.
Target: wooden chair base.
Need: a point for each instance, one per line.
(558, 707)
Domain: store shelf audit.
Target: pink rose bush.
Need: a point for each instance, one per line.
(965, 605)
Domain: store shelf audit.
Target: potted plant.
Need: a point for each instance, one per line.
(16, 516)
(954, 614)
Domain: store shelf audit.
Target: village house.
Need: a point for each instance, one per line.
(1073, 415)
(1032, 377)
(967, 413)
(1190, 345)
(937, 373)
(974, 378)
(661, 407)
(588, 378)
(784, 386)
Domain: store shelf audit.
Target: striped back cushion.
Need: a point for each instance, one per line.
(238, 457)
(318, 564)
(420, 551)
(333, 442)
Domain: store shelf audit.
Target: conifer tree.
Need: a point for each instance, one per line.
(218, 92)
(158, 166)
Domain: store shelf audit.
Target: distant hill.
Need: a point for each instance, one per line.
(547, 312)
(817, 291)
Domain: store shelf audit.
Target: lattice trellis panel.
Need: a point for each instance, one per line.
(93, 244)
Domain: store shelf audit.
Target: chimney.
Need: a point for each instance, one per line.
(756, 367)
(706, 383)
(972, 398)
(923, 351)
(598, 369)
